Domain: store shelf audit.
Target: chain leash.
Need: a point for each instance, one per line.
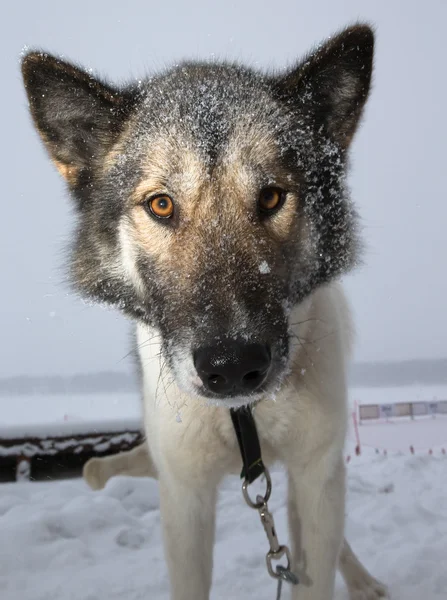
(277, 551)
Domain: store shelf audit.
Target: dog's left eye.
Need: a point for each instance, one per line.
(270, 199)
(161, 206)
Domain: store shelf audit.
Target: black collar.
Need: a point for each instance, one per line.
(247, 437)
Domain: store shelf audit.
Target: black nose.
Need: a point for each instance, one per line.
(232, 368)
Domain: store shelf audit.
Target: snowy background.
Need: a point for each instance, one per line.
(59, 540)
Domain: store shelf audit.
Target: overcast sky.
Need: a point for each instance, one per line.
(398, 175)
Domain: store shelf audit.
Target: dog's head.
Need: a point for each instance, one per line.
(211, 199)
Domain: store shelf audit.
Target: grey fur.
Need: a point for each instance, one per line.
(230, 119)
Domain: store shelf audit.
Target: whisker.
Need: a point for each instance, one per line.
(159, 376)
(302, 346)
(308, 321)
(143, 344)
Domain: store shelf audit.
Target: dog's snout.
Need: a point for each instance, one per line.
(232, 368)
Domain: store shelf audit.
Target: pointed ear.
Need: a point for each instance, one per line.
(332, 84)
(77, 116)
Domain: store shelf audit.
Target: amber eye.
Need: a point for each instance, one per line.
(161, 206)
(270, 199)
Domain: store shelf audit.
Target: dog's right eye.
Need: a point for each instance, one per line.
(270, 200)
(161, 206)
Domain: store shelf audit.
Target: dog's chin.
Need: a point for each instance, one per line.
(230, 401)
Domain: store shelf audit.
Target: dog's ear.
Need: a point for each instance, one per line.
(77, 116)
(332, 83)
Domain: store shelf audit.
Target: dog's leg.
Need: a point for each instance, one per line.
(361, 584)
(188, 516)
(316, 520)
(136, 462)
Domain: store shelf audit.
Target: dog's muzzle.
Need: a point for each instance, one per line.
(232, 368)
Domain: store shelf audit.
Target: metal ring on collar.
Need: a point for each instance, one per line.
(260, 503)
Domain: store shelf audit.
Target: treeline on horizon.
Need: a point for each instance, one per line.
(379, 374)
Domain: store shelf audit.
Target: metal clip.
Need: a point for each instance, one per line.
(269, 525)
(276, 551)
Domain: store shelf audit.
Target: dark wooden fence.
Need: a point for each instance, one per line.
(37, 457)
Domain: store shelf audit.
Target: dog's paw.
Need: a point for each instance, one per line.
(368, 588)
(93, 474)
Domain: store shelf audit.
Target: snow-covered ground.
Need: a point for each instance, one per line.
(424, 434)
(61, 541)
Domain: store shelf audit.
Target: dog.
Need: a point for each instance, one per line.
(213, 211)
